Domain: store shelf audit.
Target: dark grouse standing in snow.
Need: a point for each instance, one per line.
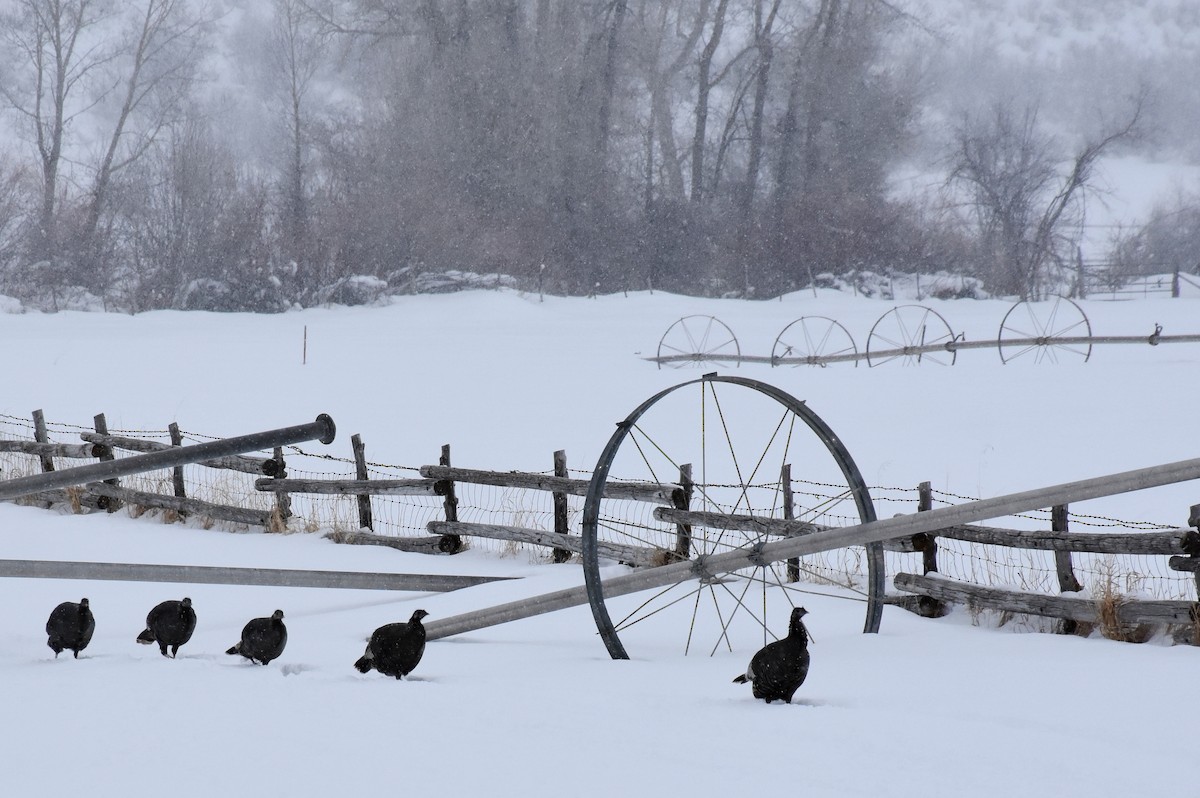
(169, 624)
(779, 668)
(395, 648)
(70, 627)
(263, 639)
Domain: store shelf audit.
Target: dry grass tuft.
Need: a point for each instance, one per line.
(75, 498)
(276, 523)
(1109, 599)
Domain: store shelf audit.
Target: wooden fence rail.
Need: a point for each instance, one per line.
(926, 593)
(654, 493)
(75, 451)
(1065, 607)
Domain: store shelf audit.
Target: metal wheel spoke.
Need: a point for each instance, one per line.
(790, 587)
(738, 605)
(625, 622)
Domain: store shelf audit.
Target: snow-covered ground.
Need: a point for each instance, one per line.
(536, 707)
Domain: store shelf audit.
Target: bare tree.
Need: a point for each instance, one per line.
(1021, 202)
(158, 61)
(669, 31)
(296, 53)
(14, 214)
(704, 86)
(55, 61)
(764, 23)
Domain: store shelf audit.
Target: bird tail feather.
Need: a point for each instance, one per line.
(740, 679)
(146, 637)
(363, 664)
(235, 649)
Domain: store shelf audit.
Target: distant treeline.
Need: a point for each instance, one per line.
(716, 147)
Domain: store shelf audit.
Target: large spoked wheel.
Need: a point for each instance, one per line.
(1054, 331)
(749, 458)
(814, 341)
(698, 341)
(913, 335)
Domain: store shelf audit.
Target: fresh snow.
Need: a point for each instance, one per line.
(536, 707)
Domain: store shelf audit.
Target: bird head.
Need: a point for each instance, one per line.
(277, 615)
(186, 603)
(83, 604)
(796, 624)
(417, 616)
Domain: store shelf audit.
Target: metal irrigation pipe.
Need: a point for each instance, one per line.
(856, 535)
(948, 346)
(323, 429)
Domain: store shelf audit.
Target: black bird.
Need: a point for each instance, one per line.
(395, 648)
(263, 639)
(171, 623)
(70, 627)
(779, 668)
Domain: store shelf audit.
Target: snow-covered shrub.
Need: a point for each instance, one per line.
(225, 297)
(355, 289)
(414, 280)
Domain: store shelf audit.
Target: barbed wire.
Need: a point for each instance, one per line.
(401, 516)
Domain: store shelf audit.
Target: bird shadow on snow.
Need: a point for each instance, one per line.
(798, 703)
(375, 677)
(291, 669)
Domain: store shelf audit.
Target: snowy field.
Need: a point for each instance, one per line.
(536, 707)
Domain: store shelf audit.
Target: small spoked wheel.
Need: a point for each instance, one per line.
(1053, 331)
(913, 335)
(814, 341)
(698, 341)
(749, 465)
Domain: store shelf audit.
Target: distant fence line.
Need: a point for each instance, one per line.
(1100, 279)
(436, 508)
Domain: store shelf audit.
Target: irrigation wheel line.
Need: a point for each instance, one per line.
(737, 435)
(811, 340)
(915, 334)
(1046, 331)
(696, 341)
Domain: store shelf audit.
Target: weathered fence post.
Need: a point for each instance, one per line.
(1193, 547)
(177, 472)
(109, 503)
(1067, 583)
(926, 541)
(365, 520)
(283, 501)
(562, 524)
(789, 513)
(41, 436)
(682, 500)
(449, 544)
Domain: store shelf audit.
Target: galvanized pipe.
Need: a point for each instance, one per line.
(921, 349)
(857, 535)
(322, 429)
(216, 575)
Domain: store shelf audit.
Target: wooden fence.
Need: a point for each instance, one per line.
(1107, 606)
(927, 592)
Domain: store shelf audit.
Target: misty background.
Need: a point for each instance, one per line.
(252, 155)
